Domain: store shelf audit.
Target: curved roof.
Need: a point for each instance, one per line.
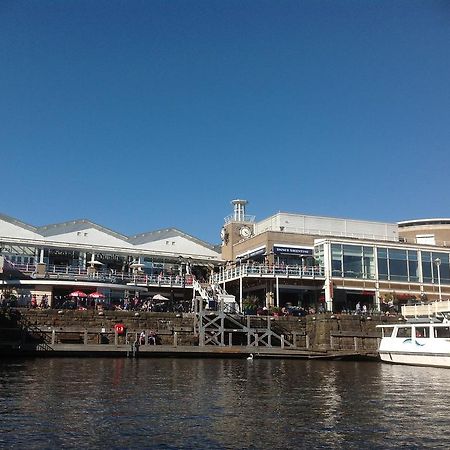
(421, 222)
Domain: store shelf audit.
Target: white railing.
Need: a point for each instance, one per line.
(426, 310)
(326, 233)
(103, 275)
(245, 218)
(267, 270)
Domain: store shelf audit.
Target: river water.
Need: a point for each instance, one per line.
(163, 403)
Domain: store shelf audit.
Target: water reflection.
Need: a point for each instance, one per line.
(220, 404)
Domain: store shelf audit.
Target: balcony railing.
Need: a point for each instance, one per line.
(75, 273)
(267, 270)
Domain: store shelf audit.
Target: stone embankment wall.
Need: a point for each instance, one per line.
(323, 331)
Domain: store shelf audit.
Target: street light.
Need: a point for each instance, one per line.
(437, 261)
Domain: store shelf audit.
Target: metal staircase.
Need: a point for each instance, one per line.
(216, 324)
(29, 331)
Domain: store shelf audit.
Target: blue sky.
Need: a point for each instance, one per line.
(141, 115)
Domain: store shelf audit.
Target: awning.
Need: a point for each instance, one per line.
(252, 253)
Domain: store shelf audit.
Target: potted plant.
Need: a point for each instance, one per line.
(250, 305)
(275, 311)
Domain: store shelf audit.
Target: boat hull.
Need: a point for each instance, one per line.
(416, 359)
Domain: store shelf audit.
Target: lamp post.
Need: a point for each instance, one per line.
(437, 261)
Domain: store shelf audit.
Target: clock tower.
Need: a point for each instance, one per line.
(237, 227)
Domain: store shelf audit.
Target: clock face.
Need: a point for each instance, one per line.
(245, 232)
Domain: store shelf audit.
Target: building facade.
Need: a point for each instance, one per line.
(334, 264)
(52, 261)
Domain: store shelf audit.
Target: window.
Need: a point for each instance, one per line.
(404, 332)
(413, 266)
(336, 259)
(383, 273)
(442, 332)
(422, 332)
(398, 269)
(387, 332)
(426, 267)
(352, 261)
(444, 268)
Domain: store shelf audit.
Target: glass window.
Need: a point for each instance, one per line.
(352, 261)
(413, 269)
(442, 332)
(383, 273)
(413, 266)
(398, 268)
(404, 332)
(387, 332)
(422, 332)
(336, 259)
(426, 267)
(444, 268)
(368, 263)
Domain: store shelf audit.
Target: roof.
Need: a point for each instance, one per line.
(165, 233)
(419, 222)
(76, 225)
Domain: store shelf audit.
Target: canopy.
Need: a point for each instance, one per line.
(159, 297)
(78, 294)
(96, 295)
(95, 263)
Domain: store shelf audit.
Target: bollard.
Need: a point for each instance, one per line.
(175, 339)
(53, 337)
(307, 341)
(282, 341)
(116, 337)
(230, 339)
(85, 337)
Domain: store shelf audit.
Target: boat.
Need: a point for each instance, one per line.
(422, 342)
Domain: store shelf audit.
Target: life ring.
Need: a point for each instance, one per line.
(119, 328)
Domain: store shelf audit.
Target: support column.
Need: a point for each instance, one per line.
(328, 287)
(240, 294)
(377, 297)
(277, 284)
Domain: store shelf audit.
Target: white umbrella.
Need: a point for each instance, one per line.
(159, 297)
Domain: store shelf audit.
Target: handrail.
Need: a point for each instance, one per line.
(267, 270)
(76, 272)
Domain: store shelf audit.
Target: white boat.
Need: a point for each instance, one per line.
(418, 343)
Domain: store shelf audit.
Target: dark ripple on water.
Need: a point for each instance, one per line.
(221, 404)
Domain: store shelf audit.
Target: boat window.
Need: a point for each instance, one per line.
(387, 332)
(422, 332)
(404, 332)
(442, 332)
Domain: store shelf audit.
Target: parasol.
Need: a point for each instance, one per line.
(78, 294)
(159, 297)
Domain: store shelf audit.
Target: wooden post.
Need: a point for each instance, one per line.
(282, 341)
(332, 342)
(355, 343)
(116, 337)
(85, 337)
(230, 338)
(307, 341)
(53, 337)
(175, 339)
